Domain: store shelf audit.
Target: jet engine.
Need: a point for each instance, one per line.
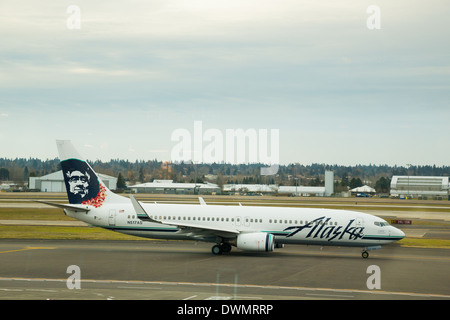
(257, 241)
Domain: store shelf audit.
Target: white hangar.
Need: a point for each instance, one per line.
(54, 182)
(419, 186)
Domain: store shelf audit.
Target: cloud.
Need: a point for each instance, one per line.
(144, 68)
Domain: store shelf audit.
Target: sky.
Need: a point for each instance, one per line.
(135, 72)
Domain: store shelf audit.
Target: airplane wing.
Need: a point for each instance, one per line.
(193, 229)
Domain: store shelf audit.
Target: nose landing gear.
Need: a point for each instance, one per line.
(365, 254)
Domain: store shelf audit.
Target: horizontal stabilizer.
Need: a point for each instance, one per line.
(65, 206)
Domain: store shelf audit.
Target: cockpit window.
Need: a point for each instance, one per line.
(381, 224)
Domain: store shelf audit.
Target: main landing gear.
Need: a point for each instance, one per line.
(221, 248)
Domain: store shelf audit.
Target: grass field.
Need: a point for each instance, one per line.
(33, 214)
(425, 243)
(64, 233)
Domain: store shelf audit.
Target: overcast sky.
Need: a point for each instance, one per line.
(138, 70)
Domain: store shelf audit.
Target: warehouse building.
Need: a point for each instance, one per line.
(54, 182)
(307, 191)
(250, 189)
(420, 187)
(303, 191)
(170, 187)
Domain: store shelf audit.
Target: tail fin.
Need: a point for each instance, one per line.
(82, 183)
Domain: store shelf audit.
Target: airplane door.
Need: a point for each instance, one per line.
(112, 217)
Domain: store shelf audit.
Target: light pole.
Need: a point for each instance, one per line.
(409, 166)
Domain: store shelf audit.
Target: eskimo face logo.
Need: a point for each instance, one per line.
(78, 182)
(82, 184)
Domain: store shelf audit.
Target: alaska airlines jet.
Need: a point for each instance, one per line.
(247, 228)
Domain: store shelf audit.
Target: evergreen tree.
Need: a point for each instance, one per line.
(121, 182)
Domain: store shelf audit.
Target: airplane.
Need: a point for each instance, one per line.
(248, 228)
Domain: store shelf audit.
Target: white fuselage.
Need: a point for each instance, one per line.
(288, 225)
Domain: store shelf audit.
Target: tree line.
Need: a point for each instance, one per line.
(377, 176)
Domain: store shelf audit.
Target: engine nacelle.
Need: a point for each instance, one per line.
(258, 241)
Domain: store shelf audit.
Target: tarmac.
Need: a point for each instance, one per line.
(178, 270)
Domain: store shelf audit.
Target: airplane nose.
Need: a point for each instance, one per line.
(399, 233)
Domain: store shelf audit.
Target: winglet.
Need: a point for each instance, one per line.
(202, 202)
(140, 211)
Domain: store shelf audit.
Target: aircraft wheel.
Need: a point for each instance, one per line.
(365, 254)
(216, 249)
(226, 247)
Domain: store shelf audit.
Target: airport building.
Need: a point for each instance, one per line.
(54, 182)
(364, 190)
(250, 189)
(420, 187)
(170, 187)
(304, 191)
(307, 191)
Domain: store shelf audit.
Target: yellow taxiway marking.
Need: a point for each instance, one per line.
(29, 248)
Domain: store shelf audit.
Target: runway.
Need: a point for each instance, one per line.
(183, 270)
